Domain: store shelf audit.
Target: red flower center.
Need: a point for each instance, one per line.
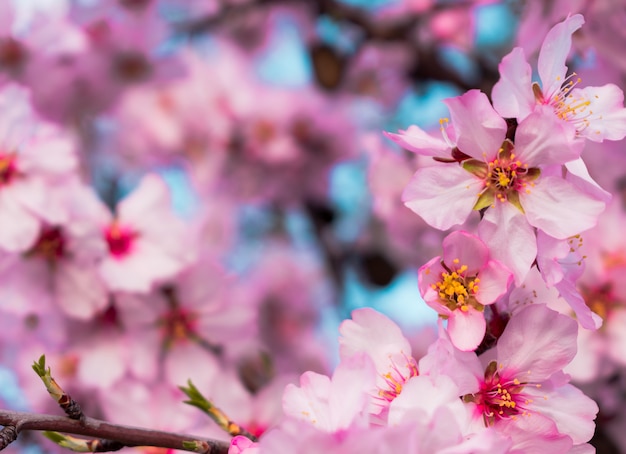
(8, 169)
(50, 245)
(500, 396)
(120, 239)
(12, 54)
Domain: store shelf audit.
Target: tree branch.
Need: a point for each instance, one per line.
(16, 422)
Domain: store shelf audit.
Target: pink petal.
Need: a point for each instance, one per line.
(554, 52)
(542, 139)
(428, 275)
(466, 328)
(79, 290)
(495, 279)
(510, 237)
(181, 364)
(349, 398)
(585, 316)
(427, 395)
(243, 445)
(468, 249)
(139, 207)
(19, 228)
(443, 195)
(103, 361)
(572, 411)
(558, 208)
(513, 95)
(578, 174)
(373, 333)
(537, 342)
(605, 114)
(536, 434)
(308, 402)
(418, 141)
(549, 252)
(480, 130)
(444, 359)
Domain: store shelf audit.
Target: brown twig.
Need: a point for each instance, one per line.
(17, 422)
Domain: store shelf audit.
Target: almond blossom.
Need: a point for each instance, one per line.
(520, 384)
(596, 113)
(61, 268)
(370, 332)
(460, 284)
(147, 242)
(516, 182)
(37, 159)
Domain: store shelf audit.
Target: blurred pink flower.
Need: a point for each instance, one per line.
(147, 242)
(37, 161)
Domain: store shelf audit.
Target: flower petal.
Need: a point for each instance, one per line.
(557, 207)
(537, 342)
(542, 139)
(569, 408)
(495, 279)
(605, 117)
(467, 249)
(480, 130)
(513, 95)
(466, 328)
(510, 237)
(443, 195)
(419, 141)
(554, 52)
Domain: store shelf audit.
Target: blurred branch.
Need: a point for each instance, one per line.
(16, 422)
(402, 29)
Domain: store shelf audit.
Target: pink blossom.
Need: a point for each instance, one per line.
(523, 379)
(460, 283)
(370, 332)
(596, 113)
(182, 324)
(60, 269)
(334, 404)
(243, 445)
(37, 160)
(516, 184)
(147, 242)
(441, 421)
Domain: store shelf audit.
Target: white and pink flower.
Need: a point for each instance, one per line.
(459, 284)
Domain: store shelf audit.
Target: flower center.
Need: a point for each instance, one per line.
(456, 289)
(573, 108)
(8, 169)
(503, 178)
(500, 396)
(177, 325)
(50, 245)
(120, 239)
(12, 54)
(396, 378)
(131, 66)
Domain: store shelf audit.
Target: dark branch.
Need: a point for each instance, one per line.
(17, 422)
